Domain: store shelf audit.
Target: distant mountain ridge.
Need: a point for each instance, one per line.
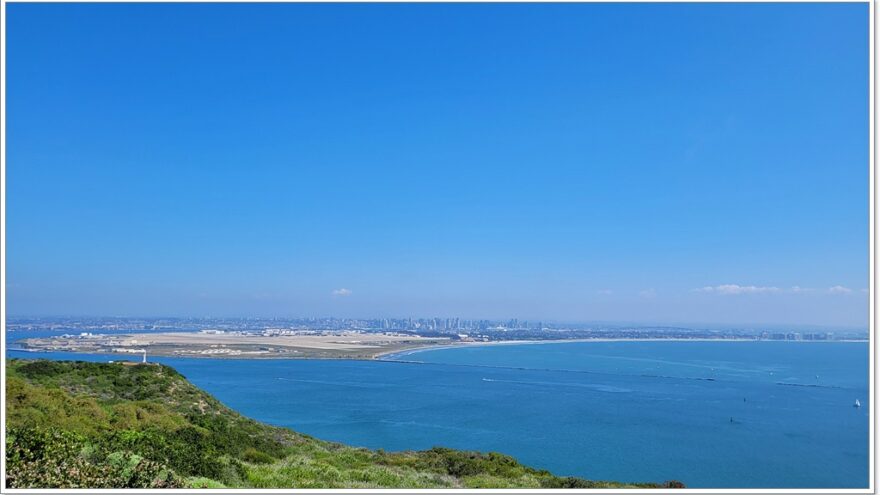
(74, 424)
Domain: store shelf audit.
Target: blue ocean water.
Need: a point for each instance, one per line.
(711, 414)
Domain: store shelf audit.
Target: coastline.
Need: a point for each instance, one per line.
(394, 355)
(389, 355)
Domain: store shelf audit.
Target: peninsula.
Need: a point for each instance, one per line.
(236, 344)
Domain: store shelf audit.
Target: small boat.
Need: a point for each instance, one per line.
(857, 404)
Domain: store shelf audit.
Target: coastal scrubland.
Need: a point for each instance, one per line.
(74, 424)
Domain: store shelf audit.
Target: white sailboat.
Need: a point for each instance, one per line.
(857, 404)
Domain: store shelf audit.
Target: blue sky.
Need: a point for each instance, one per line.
(631, 162)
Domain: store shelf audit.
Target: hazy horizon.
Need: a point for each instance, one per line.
(567, 162)
(551, 321)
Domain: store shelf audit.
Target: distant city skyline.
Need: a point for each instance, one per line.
(178, 323)
(557, 162)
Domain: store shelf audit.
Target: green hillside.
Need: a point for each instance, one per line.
(77, 424)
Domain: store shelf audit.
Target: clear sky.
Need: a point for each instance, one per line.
(656, 163)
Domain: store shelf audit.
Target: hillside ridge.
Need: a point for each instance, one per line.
(78, 424)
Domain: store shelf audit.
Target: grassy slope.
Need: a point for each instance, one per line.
(80, 424)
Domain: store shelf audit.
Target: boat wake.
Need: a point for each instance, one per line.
(811, 385)
(600, 388)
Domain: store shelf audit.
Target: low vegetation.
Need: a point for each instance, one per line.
(75, 424)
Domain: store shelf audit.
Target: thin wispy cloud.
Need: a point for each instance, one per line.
(839, 289)
(605, 292)
(797, 289)
(648, 294)
(734, 289)
(341, 292)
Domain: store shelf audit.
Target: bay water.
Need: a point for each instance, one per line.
(710, 414)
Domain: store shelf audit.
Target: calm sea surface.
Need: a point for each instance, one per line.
(711, 414)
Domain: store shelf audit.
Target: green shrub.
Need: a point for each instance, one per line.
(56, 459)
(199, 482)
(255, 456)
